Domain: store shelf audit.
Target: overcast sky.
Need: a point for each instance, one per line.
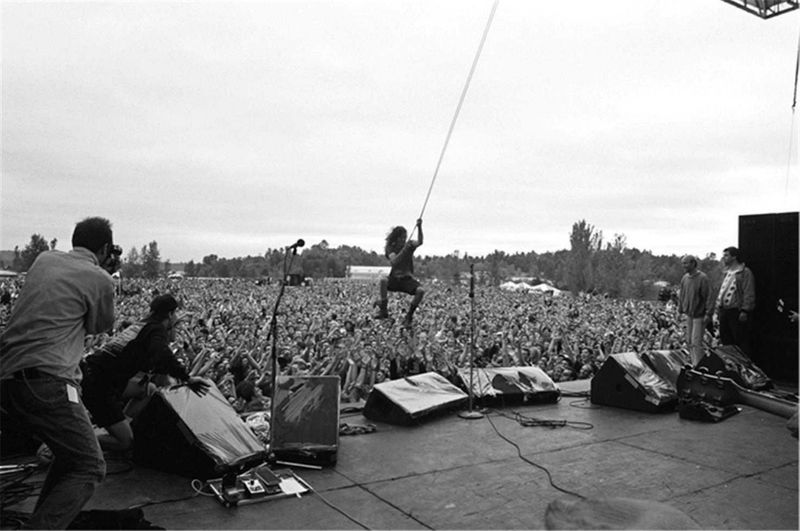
(232, 127)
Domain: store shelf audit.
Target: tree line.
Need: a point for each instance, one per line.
(590, 265)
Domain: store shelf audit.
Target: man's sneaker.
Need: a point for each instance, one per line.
(383, 311)
(44, 454)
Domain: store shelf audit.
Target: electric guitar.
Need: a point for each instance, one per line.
(723, 391)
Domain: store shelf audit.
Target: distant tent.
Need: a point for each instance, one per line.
(547, 288)
(516, 286)
(367, 272)
(5, 273)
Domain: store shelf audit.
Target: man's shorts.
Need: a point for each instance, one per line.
(405, 284)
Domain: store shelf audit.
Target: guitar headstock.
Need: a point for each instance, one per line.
(693, 383)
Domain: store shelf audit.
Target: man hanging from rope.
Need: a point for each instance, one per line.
(400, 252)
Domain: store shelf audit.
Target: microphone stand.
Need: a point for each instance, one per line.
(273, 331)
(471, 414)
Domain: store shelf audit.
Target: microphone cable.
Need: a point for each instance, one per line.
(530, 462)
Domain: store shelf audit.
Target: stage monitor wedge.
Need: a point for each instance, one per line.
(512, 385)
(627, 382)
(408, 400)
(194, 436)
(668, 363)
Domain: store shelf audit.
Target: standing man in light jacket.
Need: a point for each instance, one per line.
(694, 301)
(65, 297)
(735, 302)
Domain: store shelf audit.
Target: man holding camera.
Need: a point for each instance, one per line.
(65, 297)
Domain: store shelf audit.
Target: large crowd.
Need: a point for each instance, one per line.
(329, 328)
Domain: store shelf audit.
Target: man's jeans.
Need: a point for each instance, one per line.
(732, 331)
(695, 327)
(46, 408)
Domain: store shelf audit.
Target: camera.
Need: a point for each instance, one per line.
(113, 260)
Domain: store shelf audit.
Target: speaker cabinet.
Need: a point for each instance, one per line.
(194, 436)
(625, 381)
(667, 363)
(511, 385)
(409, 400)
(769, 247)
(305, 419)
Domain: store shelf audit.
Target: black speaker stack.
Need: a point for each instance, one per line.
(769, 247)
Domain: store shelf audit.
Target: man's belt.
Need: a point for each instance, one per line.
(31, 373)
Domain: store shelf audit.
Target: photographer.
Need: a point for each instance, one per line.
(120, 371)
(65, 297)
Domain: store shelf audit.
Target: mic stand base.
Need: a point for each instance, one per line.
(470, 415)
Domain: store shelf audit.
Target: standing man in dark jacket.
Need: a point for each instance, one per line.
(735, 302)
(65, 297)
(120, 371)
(694, 301)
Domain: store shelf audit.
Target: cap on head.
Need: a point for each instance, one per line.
(162, 305)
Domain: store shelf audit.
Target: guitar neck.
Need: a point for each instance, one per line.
(770, 404)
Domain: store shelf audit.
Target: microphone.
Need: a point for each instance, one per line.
(298, 243)
(472, 281)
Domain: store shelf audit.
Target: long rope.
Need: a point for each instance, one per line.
(460, 103)
(796, 71)
(791, 131)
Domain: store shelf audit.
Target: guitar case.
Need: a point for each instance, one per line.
(711, 398)
(695, 408)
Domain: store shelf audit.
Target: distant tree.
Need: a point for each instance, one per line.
(190, 269)
(167, 267)
(208, 266)
(132, 265)
(53, 243)
(584, 242)
(151, 257)
(35, 247)
(16, 263)
(497, 267)
(638, 282)
(612, 267)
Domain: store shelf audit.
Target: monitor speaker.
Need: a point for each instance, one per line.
(667, 363)
(511, 385)
(627, 382)
(194, 436)
(409, 400)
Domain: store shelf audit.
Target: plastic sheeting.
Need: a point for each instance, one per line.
(223, 435)
(498, 381)
(657, 389)
(420, 394)
(668, 363)
(734, 364)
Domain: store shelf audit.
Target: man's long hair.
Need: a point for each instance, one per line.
(395, 240)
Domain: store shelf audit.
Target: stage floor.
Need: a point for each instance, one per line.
(452, 473)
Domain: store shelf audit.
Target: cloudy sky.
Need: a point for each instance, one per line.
(232, 127)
